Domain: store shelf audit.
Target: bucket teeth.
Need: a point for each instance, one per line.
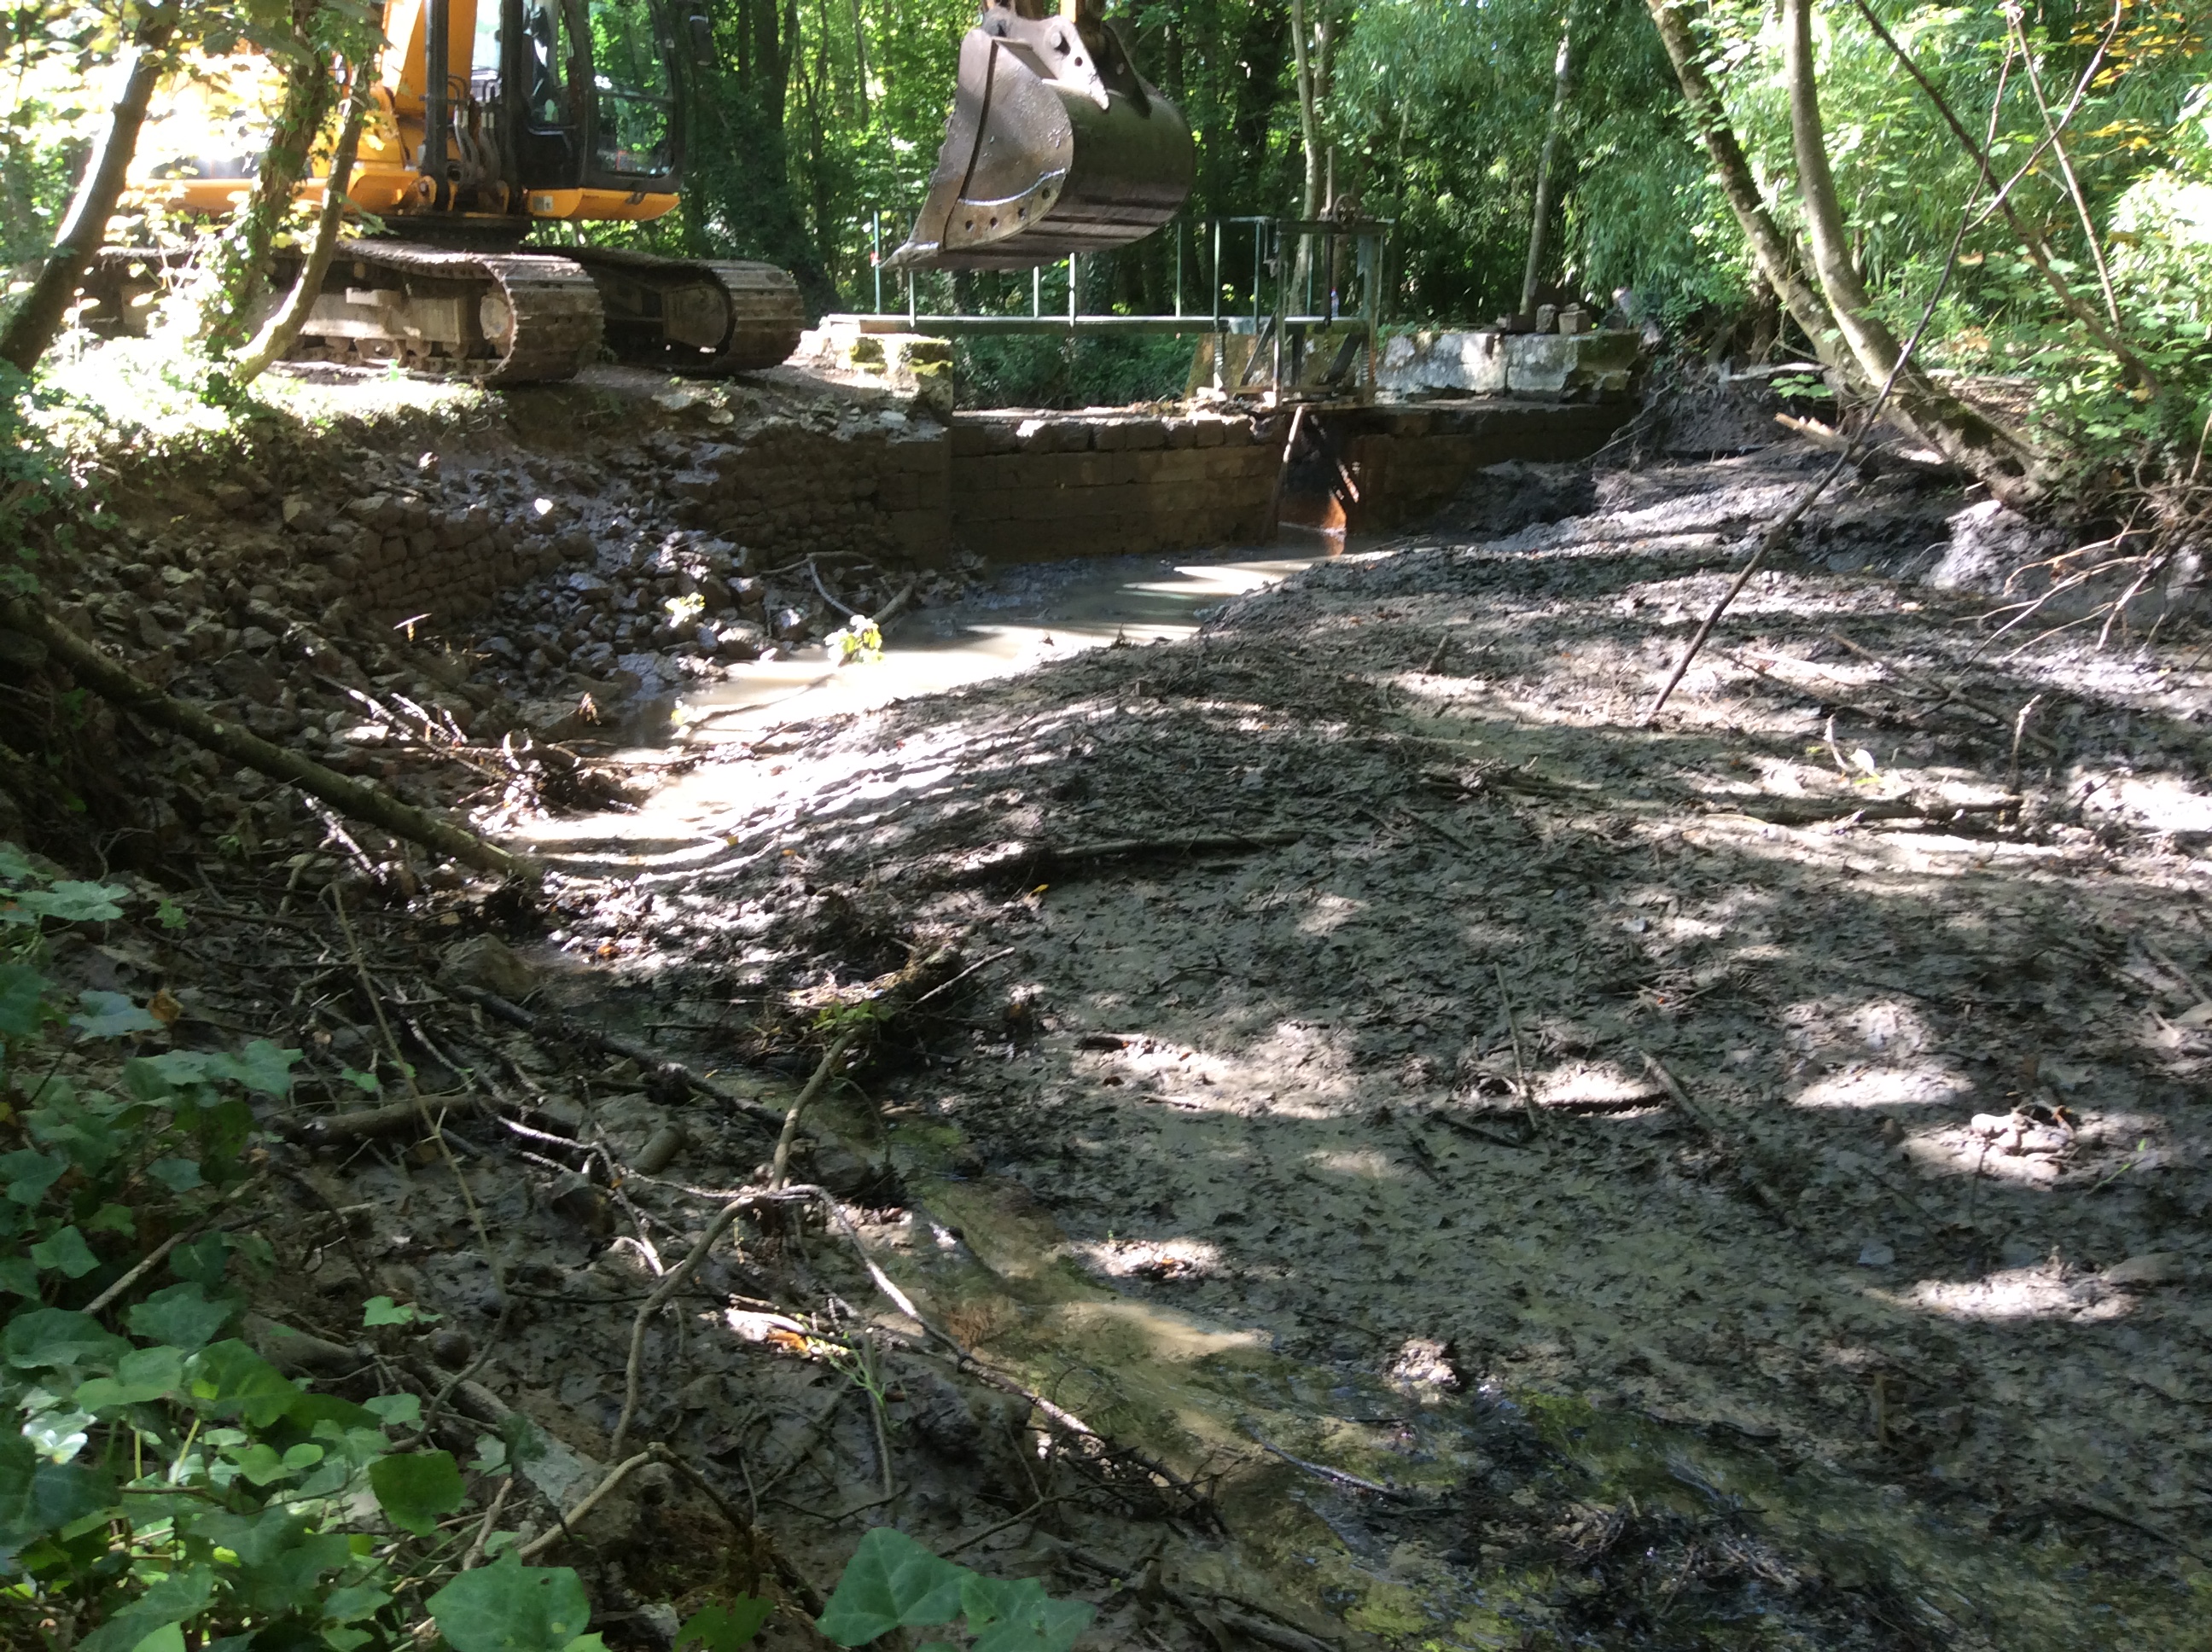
(1055, 145)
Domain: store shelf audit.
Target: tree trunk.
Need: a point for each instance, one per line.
(239, 270)
(1540, 225)
(1309, 118)
(32, 326)
(1775, 257)
(1998, 459)
(282, 332)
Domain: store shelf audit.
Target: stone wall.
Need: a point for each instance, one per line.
(1592, 364)
(1040, 487)
(884, 492)
(445, 547)
(1409, 461)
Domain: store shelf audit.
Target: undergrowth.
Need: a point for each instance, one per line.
(165, 1485)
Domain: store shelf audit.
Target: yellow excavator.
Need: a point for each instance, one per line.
(492, 117)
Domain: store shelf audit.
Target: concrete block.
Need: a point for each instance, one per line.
(1126, 434)
(1053, 435)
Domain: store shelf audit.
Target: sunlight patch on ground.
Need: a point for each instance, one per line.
(2016, 1293)
(1924, 1083)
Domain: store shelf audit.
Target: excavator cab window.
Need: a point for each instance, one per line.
(634, 92)
(545, 29)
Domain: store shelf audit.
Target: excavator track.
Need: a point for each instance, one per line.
(507, 317)
(695, 315)
(535, 317)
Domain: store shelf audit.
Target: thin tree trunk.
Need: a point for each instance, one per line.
(1539, 226)
(32, 326)
(1777, 258)
(1309, 202)
(282, 332)
(1308, 119)
(239, 270)
(1995, 456)
(860, 64)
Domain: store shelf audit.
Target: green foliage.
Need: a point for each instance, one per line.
(161, 1478)
(893, 1583)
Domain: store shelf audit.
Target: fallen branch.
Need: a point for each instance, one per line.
(613, 1044)
(1815, 812)
(1946, 694)
(780, 1168)
(1037, 857)
(357, 799)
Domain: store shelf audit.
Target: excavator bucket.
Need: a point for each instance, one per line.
(1055, 146)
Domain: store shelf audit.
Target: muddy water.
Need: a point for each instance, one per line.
(1026, 617)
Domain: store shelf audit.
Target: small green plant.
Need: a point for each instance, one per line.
(685, 610)
(859, 639)
(163, 1485)
(893, 1583)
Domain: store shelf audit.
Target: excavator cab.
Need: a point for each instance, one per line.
(1055, 145)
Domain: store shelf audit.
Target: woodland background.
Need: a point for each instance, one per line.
(823, 115)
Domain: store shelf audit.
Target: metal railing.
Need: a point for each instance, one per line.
(1301, 271)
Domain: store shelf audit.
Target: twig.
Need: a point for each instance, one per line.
(1436, 654)
(592, 1499)
(2019, 733)
(815, 574)
(1520, 1067)
(1697, 1115)
(1780, 531)
(1003, 952)
(779, 1167)
(104, 676)
(1035, 1509)
(671, 1282)
(1323, 1470)
(490, 1520)
(152, 1259)
(613, 1044)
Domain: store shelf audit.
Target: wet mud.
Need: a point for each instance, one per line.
(1527, 1177)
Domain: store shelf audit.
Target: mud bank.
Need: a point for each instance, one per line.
(1558, 1180)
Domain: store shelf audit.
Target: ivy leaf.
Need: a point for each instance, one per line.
(66, 1253)
(179, 1175)
(230, 1378)
(18, 1274)
(110, 1015)
(397, 1410)
(262, 1067)
(49, 1336)
(724, 1628)
(142, 1374)
(891, 1581)
(72, 903)
(29, 1173)
(382, 1310)
(416, 1489)
(38, 1496)
(184, 1315)
(507, 1607)
(1041, 1625)
(168, 1601)
(343, 1605)
(23, 1006)
(987, 1600)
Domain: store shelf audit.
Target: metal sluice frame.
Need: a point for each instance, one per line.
(1279, 323)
